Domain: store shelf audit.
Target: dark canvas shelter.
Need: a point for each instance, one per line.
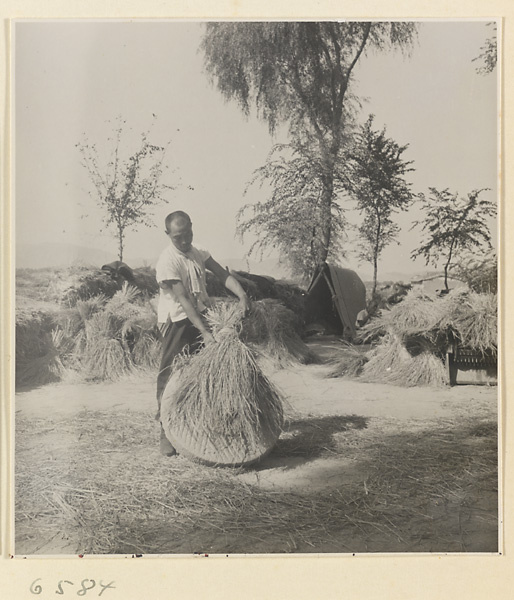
(334, 298)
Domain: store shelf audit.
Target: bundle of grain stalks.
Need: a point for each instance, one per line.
(417, 314)
(275, 330)
(391, 362)
(37, 357)
(218, 407)
(349, 363)
(412, 338)
(472, 320)
(119, 338)
(81, 283)
(464, 315)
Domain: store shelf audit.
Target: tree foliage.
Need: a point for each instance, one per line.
(480, 273)
(299, 74)
(453, 225)
(291, 219)
(125, 189)
(376, 171)
(488, 56)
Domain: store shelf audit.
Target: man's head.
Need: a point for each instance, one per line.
(180, 230)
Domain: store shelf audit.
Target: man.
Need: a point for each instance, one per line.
(180, 273)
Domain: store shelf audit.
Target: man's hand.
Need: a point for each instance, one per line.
(244, 305)
(208, 338)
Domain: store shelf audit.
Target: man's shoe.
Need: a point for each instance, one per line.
(166, 447)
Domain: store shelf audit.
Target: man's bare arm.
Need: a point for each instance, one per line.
(231, 283)
(181, 294)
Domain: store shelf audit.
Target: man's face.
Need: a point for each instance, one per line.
(181, 235)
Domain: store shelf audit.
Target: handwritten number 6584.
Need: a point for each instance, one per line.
(85, 586)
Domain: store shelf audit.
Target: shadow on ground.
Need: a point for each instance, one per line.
(307, 439)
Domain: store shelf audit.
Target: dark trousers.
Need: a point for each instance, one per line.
(178, 337)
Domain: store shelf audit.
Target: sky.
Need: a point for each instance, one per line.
(73, 80)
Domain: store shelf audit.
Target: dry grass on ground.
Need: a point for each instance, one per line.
(103, 487)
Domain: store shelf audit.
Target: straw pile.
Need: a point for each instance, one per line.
(79, 322)
(86, 282)
(472, 320)
(417, 314)
(275, 330)
(37, 356)
(391, 362)
(469, 317)
(98, 338)
(350, 362)
(260, 287)
(218, 407)
(411, 339)
(119, 338)
(67, 286)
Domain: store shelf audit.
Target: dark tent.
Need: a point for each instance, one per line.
(334, 299)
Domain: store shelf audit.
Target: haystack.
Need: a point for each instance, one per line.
(462, 315)
(391, 362)
(37, 357)
(472, 320)
(412, 338)
(218, 407)
(120, 337)
(349, 363)
(275, 330)
(260, 287)
(417, 314)
(271, 329)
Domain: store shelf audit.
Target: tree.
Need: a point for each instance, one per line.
(453, 225)
(480, 273)
(291, 219)
(489, 53)
(299, 74)
(376, 171)
(126, 189)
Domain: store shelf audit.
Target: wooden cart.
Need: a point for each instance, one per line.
(467, 365)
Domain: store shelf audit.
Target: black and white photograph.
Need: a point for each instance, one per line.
(256, 278)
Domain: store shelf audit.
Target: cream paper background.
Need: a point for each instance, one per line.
(323, 577)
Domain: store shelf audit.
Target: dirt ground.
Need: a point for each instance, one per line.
(330, 409)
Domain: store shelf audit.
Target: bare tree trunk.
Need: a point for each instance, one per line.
(446, 267)
(375, 255)
(327, 197)
(375, 271)
(446, 277)
(120, 243)
(326, 217)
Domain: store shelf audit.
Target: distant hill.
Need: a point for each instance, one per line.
(38, 256)
(396, 276)
(268, 267)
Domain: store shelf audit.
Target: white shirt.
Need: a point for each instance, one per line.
(189, 268)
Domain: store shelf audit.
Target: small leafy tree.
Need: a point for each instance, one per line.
(126, 189)
(376, 173)
(453, 225)
(291, 219)
(489, 53)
